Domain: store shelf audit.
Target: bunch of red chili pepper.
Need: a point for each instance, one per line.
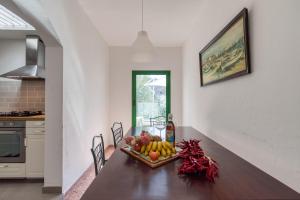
(194, 161)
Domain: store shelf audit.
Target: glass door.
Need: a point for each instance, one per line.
(150, 96)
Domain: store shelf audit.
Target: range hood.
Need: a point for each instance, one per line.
(35, 61)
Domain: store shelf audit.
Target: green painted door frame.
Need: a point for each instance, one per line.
(147, 72)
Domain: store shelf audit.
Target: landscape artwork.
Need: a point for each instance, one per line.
(226, 56)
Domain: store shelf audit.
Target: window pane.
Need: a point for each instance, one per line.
(150, 98)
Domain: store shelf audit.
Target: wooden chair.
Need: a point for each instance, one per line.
(159, 120)
(117, 131)
(98, 153)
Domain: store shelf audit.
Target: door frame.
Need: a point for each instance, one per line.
(133, 90)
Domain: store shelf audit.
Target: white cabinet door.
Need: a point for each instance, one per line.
(35, 131)
(35, 156)
(35, 124)
(12, 170)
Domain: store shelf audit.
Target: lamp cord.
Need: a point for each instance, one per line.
(142, 15)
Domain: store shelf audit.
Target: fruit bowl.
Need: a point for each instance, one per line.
(160, 158)
(150, 149)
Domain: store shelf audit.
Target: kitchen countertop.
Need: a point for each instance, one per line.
(29, 118)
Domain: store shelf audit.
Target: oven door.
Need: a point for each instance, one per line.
(12, 147)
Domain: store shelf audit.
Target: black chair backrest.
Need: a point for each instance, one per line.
(117, 131)
(159, 120)
(98, 152)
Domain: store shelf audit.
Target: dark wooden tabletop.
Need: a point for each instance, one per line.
(124, 178)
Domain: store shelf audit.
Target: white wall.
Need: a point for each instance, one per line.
(12, 55)
(53, 108)
(167, 58)
(255, 116)
(85, 85)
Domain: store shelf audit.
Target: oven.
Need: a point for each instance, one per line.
(12, 141)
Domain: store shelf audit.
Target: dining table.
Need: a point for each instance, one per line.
(125, 178)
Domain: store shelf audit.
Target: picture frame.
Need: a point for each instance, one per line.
(227, 55)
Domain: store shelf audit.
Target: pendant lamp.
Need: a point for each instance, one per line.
(142, 48)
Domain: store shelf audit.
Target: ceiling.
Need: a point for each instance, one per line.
(168, 22)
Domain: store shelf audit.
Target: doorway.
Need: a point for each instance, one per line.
(151, 98)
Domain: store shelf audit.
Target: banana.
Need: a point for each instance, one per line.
(159, 146)
(143, 148)
(154, 145)
(173, 150)
(149, 146)
(146, 153)
(158, 152)
(163, 152)
(168, 144)
(169, 152)
(164, 145)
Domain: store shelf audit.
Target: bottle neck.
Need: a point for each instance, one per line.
(170, 117)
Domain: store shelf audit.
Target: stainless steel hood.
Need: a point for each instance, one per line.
(35, 61)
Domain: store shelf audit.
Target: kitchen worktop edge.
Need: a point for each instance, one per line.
(25, 118)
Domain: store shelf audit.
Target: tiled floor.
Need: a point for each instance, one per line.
(83, 183)
(33, 191)
(24, 191)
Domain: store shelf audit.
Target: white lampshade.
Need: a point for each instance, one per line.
(142, 48)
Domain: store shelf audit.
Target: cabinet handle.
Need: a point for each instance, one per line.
(3, 166)
(25, 142)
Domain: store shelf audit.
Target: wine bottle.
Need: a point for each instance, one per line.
(170, 130)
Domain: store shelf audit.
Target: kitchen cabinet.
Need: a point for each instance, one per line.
(35, 134)
(35, 124)
(12, 170)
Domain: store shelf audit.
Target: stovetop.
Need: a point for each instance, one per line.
(20, 113)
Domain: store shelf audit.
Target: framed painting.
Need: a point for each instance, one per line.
(227, 55)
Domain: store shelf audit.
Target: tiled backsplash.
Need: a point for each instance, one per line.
(22, 96)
